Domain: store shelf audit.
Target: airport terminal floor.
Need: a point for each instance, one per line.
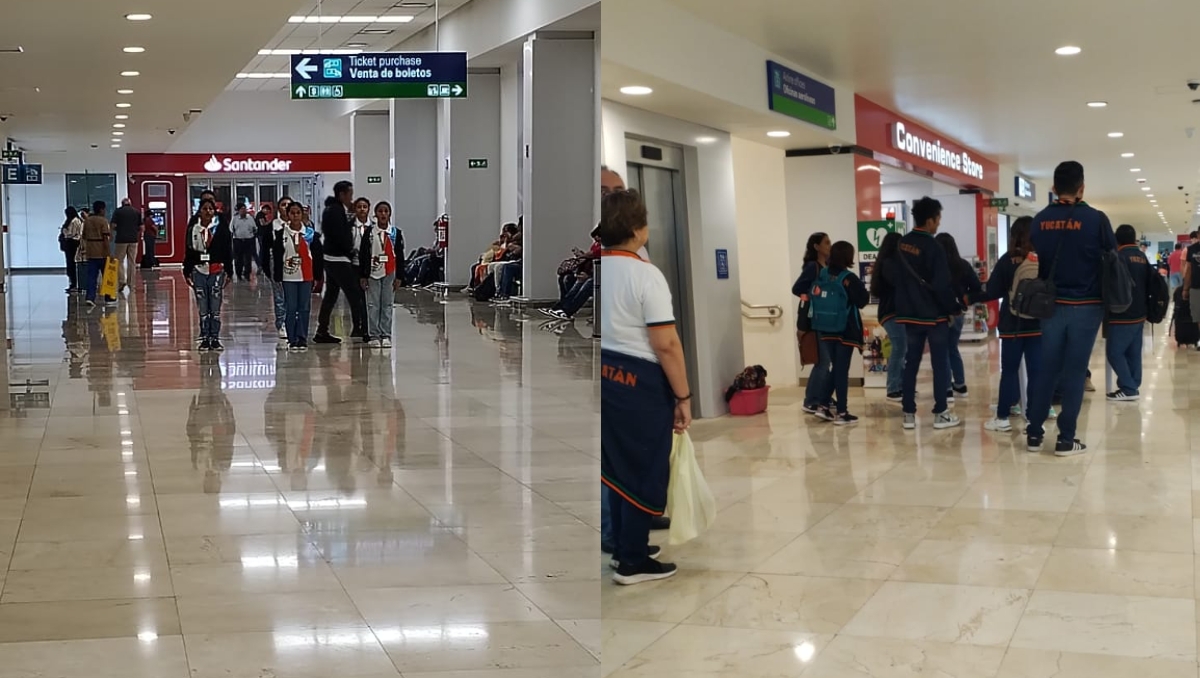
(872, 552)
(430, 512)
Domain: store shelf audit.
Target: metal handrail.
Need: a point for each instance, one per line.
(774, 311)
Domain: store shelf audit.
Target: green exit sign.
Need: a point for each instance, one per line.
(998, 202)
(477, 163)
(374, 180)
(11, 155)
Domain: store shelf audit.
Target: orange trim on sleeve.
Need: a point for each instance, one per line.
(620, 253)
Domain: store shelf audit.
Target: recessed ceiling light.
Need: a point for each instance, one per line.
(376, 31)
(133, 50)
(356, 44)
(396, 19)
(1141, 181)
(124, 104)
(119, 125)
(1145, 188)
(118, 133)
(121, 116)
(114, 145)
(1149, 195)
(636, 90)
(130, 74)
(138, 17)
(1115, 135)
(1135, 169)
(124, 91)
(779, 134)
(705, 140)
(1097, 104)
(346, 19)
(1126, 155)
(1068, 50)
(262, 76)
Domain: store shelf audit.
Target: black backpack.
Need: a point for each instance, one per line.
(1158, 297)
(1037, 297)
(1116, 285)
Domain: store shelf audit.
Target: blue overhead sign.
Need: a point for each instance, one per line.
(380, 75)
(799, 96)
(20, 174)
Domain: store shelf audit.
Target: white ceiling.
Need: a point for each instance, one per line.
(340, 36)
(73, 54)
(985, 73)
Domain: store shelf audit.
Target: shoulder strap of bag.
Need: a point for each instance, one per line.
(913, 271)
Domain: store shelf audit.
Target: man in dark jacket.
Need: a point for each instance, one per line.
(1069, 237)
(924, 302)
(1124, 345)
(337, 235)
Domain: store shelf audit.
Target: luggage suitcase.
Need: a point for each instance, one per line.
(1187, 332)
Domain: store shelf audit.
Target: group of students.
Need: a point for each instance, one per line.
(924, 287)
(350, 252)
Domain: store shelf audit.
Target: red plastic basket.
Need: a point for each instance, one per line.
(749, 403)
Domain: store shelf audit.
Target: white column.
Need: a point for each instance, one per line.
(370, 153)
(415, 166)
(473, 193)
(559, 121)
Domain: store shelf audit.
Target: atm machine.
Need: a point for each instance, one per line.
(158, 198)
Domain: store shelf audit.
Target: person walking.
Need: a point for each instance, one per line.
(127, 224)
(924, 302)
(245, 240)
(68, 241)
(967, 291)
(97, 244)
(884, 275)
(1070, 237)
(838, 297)
(1020, 336)
(377, 266)
(292, 267)
(644, 394)
(1125, 330)
(266, 243)
(206, 264)
(337, 238)
(816, 257)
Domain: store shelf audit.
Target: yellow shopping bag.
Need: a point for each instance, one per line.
(689, 501)
(108, 284)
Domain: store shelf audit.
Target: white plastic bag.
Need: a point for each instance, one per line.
(689, 501)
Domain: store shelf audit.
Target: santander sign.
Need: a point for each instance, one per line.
(214, 166)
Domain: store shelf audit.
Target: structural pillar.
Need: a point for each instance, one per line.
(370, 138)
(471, 134)
(559, 119)
(414, 168)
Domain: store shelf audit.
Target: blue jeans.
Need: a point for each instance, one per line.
(606, 535)
(895, 367)
(381, 300)
(958, 374)
(576, 297)
(1068, 338)
(509, 274)
(816, 391)
(280, 308)
(938, 336)
(95, 269)
(838, 382)
(1011, 353)
(209, 292)
(1124, 352)
(297, 302)
(1176, 282)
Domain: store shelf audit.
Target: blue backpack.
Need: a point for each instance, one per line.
(830, 306)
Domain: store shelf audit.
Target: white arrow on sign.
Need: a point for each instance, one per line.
(306, 69)
(300, 91)
(458, 90)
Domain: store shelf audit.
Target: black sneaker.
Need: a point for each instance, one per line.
(215, 345)
(660, 523)
(960, 391)
(325, 338)
(1122, 396)
(845, 419)
(204, 345)
(824, 414)
(809, 409)
(651, 570)
(654, 553)
(1034, 443)
(1069, 448)
(895, 397)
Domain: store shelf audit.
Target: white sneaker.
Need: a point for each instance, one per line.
(946, 420)
(998, 425)
(376, 343)
(385, 342)
(910, 422)
(281, 333)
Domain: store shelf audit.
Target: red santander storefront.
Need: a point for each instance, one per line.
(168, 185)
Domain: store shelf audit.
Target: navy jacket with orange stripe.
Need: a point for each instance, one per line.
(1083, 232)
(1140, 271)
(931, 301)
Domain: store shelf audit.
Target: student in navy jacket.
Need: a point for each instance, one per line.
(816, 255)
(841, 346)
(967, 291)
(884, 273)
(1124, 345)
(924, 303)
(1073, 234)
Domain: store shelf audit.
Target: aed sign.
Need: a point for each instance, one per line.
(933, 151)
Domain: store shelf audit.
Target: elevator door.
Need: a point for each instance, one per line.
(662, 190)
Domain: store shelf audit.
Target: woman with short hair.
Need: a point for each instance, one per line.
(644, 394)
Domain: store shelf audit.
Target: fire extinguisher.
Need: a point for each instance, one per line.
(441, 228)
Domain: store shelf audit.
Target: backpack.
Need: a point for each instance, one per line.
(1158, 297)
(1116, 285)
(830, 304)
(1026, 270)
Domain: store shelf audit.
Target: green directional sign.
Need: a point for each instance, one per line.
(477, 163)
(998, 202)
(374, 180)
(11, 155)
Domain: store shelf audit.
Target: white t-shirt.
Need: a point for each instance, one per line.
(201, 238)
(633, 298)
(293, 268)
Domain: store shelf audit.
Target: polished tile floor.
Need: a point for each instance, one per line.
(871, 552)
(430, 512)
